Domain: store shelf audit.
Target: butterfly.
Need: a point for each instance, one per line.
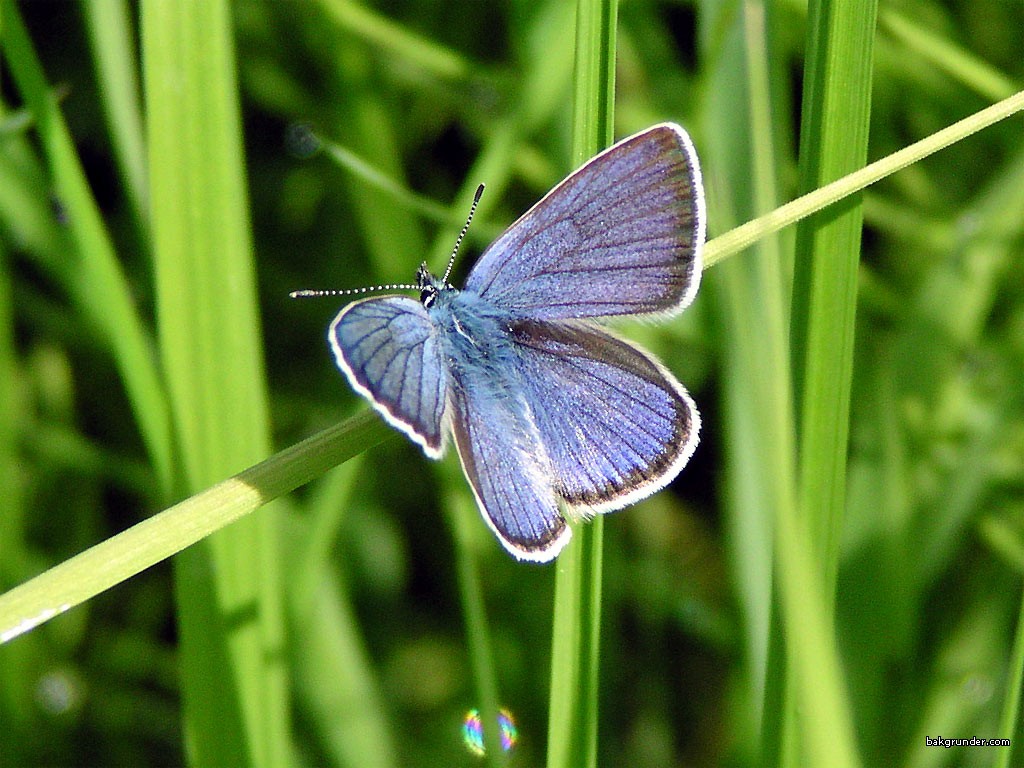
(548, 410)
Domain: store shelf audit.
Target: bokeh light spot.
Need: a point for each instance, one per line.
(473, 732)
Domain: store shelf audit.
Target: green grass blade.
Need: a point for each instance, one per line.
(770, 275)
(228, 589)
(739, 238)
(943, 55)
(575, 653)
(833, 142)
(419, 204)
(750, 299)
(1009, 722)
(594, 79)
(382, 33)
(113, 47)
(189, 521)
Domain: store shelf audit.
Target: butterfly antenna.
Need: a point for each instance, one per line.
(309, 294)
(462, 234)
(316, 293)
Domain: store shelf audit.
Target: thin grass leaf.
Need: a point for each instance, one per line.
(575, 652)
(1009, 722)
(942, 54)
(394, 240)
(773, 275)
(750, 299)
(415, 203)
(27, 211)
(741, 237)
(12, 512)
(228, 588)
(113, 48)
(189, 521)
(833, 141)
(380, 32)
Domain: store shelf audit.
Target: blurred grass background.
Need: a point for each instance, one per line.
(360, 655)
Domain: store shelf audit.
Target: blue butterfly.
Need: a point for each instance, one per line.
(546, 407)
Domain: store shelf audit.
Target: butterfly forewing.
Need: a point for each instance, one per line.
(390, 351)
(622, 235)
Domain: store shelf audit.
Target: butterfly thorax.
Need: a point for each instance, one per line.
(475, 334)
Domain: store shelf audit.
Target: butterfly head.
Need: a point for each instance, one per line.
(428, 285)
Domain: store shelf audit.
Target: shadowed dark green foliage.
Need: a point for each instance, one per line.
(380, 561)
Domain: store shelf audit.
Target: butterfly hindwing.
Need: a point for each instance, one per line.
(622, 235)
(508, 470)
(615, 424)
(391, 352)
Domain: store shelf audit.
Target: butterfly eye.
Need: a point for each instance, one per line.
(428, 295)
